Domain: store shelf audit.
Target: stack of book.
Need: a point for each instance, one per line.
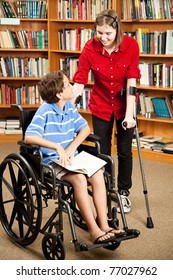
(155, 143)
(12, 126)
(168, 149)
(2, 126)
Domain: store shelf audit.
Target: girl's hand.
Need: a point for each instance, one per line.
(128, 123)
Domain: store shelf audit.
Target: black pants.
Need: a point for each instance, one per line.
(104, 129)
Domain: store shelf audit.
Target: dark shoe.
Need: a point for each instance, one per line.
(124, 192)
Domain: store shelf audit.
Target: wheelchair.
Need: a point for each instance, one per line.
(27, 185)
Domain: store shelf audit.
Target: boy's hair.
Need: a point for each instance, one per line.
(50, 85)
(108, 17)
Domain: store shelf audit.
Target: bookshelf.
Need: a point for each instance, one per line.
(25, 58)
(152, 126)
(56, 22)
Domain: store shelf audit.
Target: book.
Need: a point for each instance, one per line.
(151, 138)
(168, 149)
(169, 104)
(160, 107)
(157, 148)
(165, 141)
(85, 163)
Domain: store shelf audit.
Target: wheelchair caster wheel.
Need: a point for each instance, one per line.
(53, 248)
(113, 246)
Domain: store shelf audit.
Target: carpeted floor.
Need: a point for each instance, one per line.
(152, 244)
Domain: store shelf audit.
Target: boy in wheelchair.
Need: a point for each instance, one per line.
(59, 129)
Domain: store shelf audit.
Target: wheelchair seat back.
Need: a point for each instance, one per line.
(29, 152)
(26, 118)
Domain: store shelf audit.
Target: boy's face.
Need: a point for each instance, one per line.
(68, 90)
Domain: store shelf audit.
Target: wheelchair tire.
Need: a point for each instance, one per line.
(20, 200)
(52, 247)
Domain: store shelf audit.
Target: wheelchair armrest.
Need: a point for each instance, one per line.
(93, 138)
(28, 146)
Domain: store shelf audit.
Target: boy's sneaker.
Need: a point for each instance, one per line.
(126, 203)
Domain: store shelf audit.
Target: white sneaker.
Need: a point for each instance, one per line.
(126, 203)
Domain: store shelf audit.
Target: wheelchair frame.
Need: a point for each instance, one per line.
(23, 178)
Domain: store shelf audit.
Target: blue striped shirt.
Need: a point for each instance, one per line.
(53, 124)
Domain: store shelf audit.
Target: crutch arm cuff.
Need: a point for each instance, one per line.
(132, 90)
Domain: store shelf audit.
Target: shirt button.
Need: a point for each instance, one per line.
(112, 76)
(112, 105)
(111, 68)
(112, 84)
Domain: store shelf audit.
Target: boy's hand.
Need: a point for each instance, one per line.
(64, 158)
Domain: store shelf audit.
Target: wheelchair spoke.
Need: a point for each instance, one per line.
(8, 185)
(12, 175)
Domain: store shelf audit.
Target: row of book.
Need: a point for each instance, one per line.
(151, 106)
(10, 126)
(153, 74)
(155, 143)
(81, 9)
(23, 67)
(23, 9)
(24, 39)
(74, 39)
(147, 9)
(84, 100)
(70, 65)
(157, 42)
(148, 106)
(19, 95)
(156, 74)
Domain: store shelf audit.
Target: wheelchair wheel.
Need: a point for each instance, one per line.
(113, 246)
(20, 200)
(53, 248)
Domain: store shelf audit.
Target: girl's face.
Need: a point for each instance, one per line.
(106, 35)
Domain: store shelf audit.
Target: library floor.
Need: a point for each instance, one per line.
(152, 244)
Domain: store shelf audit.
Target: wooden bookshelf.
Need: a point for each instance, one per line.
(25, 24)
(156, 126)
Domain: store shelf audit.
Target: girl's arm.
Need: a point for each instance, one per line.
(130, 103)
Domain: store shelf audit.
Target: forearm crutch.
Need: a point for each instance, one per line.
(149, 218)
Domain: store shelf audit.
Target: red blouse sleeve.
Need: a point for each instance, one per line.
(133, 70)
(81, 75)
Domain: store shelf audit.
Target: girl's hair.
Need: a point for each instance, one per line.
(110, 18)
(50, 85)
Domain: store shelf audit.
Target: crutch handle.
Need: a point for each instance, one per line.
(124, 124)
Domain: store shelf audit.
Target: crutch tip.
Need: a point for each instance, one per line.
(150, 223)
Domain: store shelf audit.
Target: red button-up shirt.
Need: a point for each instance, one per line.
(110, 75)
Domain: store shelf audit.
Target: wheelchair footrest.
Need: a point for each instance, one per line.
(128, 234)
